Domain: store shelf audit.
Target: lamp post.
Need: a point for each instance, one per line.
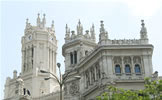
(60, 80)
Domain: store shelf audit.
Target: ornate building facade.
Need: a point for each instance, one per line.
(123, 63)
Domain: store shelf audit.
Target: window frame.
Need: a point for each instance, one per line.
(118, 65)
(127, 73)
(137, 73)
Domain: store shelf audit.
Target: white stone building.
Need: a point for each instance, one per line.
(123, 63)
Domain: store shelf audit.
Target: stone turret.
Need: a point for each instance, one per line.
(78, 45)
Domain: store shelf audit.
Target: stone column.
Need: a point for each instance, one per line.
(90, 77)
(122, 66)
(105, 66)
(100, 67)
(27, 59)
(110, 66)
(95, 72)
(49, 59)
(52, 61)
(23, 60)
(67, 61)
(132, 66)
(147, 65)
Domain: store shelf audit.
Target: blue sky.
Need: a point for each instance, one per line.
(121, 19)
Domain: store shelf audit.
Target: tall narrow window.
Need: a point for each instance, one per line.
(87, 79)
(98, 73)
(71, 57)
(127, 69)
(32, 55)
(75, 57)
(32, 51)
(137, 69)
(92, 75)
(24, 59)
(117, 69)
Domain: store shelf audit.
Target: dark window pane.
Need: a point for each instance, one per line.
(71, 57)
(117, 69)
(75, 57)
(137, 69)
(127, 69)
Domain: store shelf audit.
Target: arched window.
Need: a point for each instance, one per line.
(127, 69)
(75, 57)
(117, 69)
(98, 72)
(71, 57)
(137, 69)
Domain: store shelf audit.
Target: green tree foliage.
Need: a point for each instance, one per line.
(152, 91)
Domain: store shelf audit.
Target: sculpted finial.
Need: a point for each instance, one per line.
(38, 20)
(79, 28)
(44, 20)
(87, 31)
(143, 24)
(79, 22)
(27, 23)
(67, 35)
(103, 33)
(52, 26)
(38, 14)
(102, 29)
(92, 25)
(44, 15)
(143, 30)
(66, 28)
(92, 31)
(27, 20)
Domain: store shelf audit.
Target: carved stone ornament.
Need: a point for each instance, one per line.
(117, 60)
(74, 88)
(65, 90)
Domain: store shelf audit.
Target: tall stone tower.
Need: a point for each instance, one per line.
(76, 48)
(39, 46)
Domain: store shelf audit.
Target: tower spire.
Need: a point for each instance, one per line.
(67, 35)
(103, 33)
(52, 26)
(27, 23)
(44, 20)
(79, 28)
(38, 20)
(92, 31)
(143, 31)
(102, 29)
